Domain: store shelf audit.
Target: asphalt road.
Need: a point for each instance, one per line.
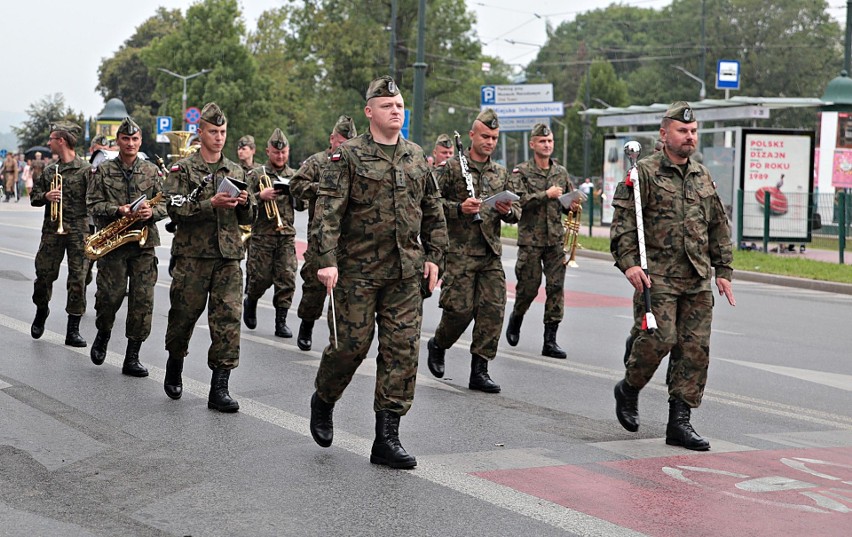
(87, 451)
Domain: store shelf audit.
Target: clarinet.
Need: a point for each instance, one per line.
(178, 200)
(468, 178)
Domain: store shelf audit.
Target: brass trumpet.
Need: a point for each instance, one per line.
(572, 234)
(271, 206)
(56, 206)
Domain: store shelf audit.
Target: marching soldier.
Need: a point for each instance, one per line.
(115, 185)
(540, 182)
(272, 257)
(304, 185)
(443, 150)
(208, 250)
(246, 150)
(687, 238)
(474, 286)
(379, 234)
(65, 227)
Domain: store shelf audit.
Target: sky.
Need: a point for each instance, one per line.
(508, 29)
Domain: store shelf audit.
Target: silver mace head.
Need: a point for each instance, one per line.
(632, 150)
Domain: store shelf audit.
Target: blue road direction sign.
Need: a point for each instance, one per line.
(406, 124)
(515, 93)
(728, 74)
(527, 109)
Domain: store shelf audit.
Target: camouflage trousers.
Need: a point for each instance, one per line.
(683, 308)
(528, 271)
(214, 283)
(313, 291)
(139, 267)
(397, 308)
(272, 262)
(473, 289)
(52, 249)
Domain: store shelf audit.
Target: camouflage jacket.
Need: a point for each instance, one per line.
(541, 217)
(305, 183)
(377, 217)
(686, 227)
(466, 236)
(108, 190)
(202, 230)
(263, 225)
(75, 181)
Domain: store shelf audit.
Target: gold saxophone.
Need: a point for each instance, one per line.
(118, 234)
(572, 234)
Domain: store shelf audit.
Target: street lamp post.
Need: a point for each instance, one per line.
(564, 140)
(184, 78)
(703, 92)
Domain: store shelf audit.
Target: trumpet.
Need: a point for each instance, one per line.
(271, 206)
(56, 206)
(572, 234)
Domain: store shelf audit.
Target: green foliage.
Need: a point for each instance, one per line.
(50, 108)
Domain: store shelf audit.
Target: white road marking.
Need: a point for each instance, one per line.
(832, 380)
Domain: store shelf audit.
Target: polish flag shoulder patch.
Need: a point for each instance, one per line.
(335, 157)
(174, 168)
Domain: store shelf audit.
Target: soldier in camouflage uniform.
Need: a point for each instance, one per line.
(272, 257)
(115, 185)
(686, 234)
(246, 149)
(75, 173)
(540, 182)
(443, 150)
(380, 230)
(208, 250)
(304, 186)
(474, 287)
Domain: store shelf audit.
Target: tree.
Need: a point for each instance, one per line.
(49, 109)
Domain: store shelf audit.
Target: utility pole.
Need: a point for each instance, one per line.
(419, 76)
(392, 55)
(184, 78)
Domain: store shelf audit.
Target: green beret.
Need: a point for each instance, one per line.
(680, 111)
(211, 113)
(247, 140)
(444, 141)
(277, 140)
(489, 118)
(100, 139)
(540, 129)
(128, 126)
(384, 86)
(345, 127)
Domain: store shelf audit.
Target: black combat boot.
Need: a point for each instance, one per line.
(72, 334)
(679, 431)
(479, 379)
(250, 313)
(322, 424)
(628, 346)
(131, 366)
(627, 406)
(551, 348)
(99, 347)
(173, 383)
(281, 328)
(306, 331)
(219, 398)
(436, 358)
(387, 449)
(513, 330)
(37, 329)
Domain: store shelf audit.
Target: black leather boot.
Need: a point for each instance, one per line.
(387, 450)
(131, 366)
(551, 348)
(627, 406)
(99, 347)
(281, 328)
(436, 358)
(679, 431)
(37, 329)
(72, 334)
(322, 423)
(479, 379)
(513, 330)
(306, 331)
(250, 313)
(219, 398)
(173, 383)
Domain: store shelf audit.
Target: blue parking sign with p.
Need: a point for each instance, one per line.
(164, 124)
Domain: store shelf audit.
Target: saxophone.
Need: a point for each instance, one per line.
(118, 233)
